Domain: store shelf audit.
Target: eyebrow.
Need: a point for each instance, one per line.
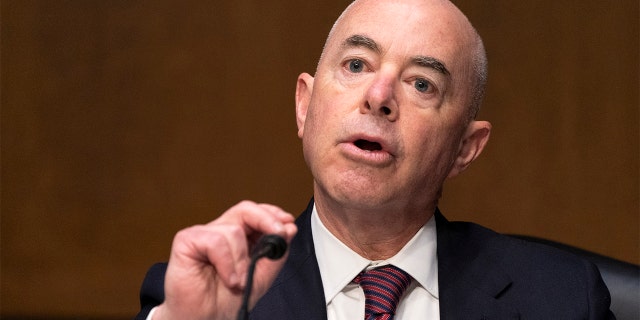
(430, 62)
(358, 40)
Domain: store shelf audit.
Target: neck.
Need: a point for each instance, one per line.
(375, 233)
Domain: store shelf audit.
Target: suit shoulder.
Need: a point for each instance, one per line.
(543, 281)
(512, 251)
(538, 264)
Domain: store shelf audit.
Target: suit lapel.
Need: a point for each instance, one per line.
(470, 279)
(297, 292)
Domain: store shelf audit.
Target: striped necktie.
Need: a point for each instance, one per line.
(383, 288)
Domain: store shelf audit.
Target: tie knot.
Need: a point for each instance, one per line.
(383, 288)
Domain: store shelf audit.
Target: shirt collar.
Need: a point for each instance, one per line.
(339, 264)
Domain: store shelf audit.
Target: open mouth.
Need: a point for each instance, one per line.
(367, 145)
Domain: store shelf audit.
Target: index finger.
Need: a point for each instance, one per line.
(260, 218)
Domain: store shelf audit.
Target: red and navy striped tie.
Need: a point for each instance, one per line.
(383, 288)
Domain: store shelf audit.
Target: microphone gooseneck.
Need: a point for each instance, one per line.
(271, 246)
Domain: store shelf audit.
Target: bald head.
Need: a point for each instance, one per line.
(454, 30)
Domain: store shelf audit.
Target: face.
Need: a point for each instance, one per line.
(384, 121)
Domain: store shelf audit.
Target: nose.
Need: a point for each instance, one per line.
(380, 98)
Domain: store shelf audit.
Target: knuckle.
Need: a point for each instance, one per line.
(184, 234)
(235, 231)
(245, 204)
(270, 207)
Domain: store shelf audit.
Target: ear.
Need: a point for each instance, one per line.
(472, 144)
(304, 89)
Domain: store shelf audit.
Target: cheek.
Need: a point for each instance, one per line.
(327, 113)
(431, 144)
(316, 122)
(318, 130)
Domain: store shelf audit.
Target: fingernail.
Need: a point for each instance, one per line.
(278, 227)
(233, 279)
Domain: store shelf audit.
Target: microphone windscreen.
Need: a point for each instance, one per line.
(271, 246)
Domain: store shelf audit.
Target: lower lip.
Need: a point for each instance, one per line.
(374, 158)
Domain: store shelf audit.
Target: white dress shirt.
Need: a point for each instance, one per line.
(339, 265)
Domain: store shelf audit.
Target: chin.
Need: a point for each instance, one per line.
(358, 188)
(364, 197)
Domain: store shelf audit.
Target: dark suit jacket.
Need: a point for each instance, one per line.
(482, 275)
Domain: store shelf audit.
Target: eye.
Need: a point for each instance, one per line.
(422, 85)
(356, 65)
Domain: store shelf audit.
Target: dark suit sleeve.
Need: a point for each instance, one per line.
(152, 291)
(599, 298)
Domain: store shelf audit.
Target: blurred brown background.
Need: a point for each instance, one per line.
(125, 121)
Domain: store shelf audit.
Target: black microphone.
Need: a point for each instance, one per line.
(271, 246)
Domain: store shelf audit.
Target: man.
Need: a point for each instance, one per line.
(388, 116)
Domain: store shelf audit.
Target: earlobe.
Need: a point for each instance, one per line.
(474, 140)
(304, 88)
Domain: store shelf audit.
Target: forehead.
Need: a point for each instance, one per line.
(430, 28)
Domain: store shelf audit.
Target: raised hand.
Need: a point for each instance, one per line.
(208, 263)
